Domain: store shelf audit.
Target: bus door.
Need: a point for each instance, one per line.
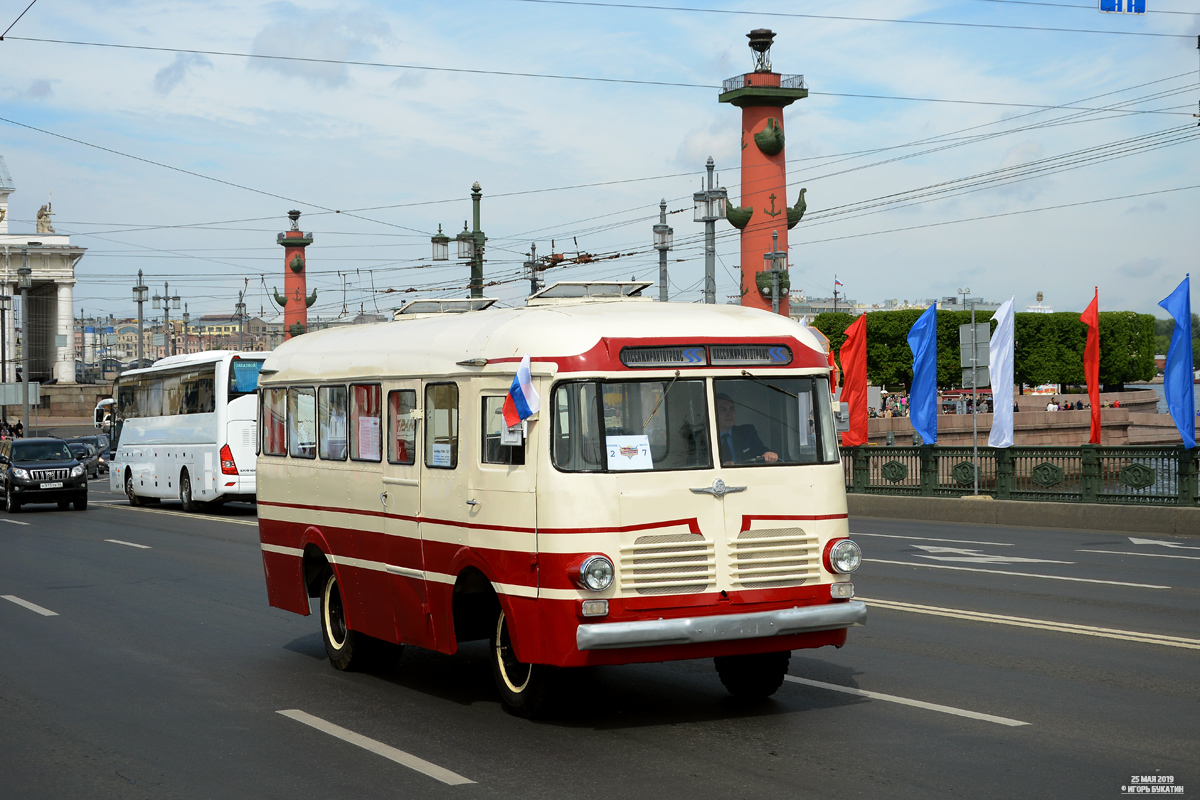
(781, 436)
(501, 496)
(400, 496)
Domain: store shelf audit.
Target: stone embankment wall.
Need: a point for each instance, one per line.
(72, 400)
(1135, 422)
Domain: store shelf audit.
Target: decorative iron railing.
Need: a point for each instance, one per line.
(767, 80)
(1130, 475)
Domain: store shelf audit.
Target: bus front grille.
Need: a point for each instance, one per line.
(774, 557)
(677, 563)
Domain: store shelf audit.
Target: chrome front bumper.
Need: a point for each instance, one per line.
(720, 628)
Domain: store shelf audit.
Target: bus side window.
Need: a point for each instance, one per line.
(441, 425)
(493, 424)
(273, 420)
(402, 427)
(366, 407)
(302, 423)
(331, 427)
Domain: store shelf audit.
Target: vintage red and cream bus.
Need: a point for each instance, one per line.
(678, 494)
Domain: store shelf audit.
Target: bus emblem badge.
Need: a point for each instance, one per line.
(719, 489)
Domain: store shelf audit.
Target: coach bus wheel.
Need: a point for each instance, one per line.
(755, 676)
(185, 493)
(340, 641)
(134, 500)
(525, 689)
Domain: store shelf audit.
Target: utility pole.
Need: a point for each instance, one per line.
(775, 263)
(835, 293)
(663, 241)
(5, 307)
(166, 298)
(709, 206)
(24, 281)
(534, 283)
(241, 315)
(141, 293)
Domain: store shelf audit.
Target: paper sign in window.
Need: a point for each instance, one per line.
(628, 452)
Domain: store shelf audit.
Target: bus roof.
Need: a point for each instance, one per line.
(581, 336)
(191, 359)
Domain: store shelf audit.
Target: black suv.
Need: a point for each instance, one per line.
(41, 471)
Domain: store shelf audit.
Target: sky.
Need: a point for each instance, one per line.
(184, 164)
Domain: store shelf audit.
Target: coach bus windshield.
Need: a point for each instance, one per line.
(243, 377)
(616, 426)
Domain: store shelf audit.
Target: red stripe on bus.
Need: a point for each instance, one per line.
(749, 518)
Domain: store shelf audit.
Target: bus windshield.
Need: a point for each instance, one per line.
(774, 421)
(243, 377)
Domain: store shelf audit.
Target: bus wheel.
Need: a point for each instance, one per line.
(340, 642)
(134, 500)
(525, 689)
(753, 677)
(185, 493)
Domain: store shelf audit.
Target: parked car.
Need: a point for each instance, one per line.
(87, 455)
(41, 470)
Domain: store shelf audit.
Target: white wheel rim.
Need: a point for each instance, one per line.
(329, 586)
(500, 661)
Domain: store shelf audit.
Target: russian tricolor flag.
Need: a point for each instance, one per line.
(522, 400)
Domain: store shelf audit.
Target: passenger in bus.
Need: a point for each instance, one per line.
(739, 444)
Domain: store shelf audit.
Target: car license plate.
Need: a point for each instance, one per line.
(57, 485)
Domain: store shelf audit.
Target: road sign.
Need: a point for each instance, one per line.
(980, 380)
(982, 332)
(10, 393)
(1123, 6)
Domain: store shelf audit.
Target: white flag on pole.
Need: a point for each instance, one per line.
(1000, 370)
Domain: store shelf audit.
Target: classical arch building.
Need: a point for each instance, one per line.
(48, 323)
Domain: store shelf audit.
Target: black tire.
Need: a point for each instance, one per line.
(526, 690)
(134, 500)
(81, 502)
(185, 493)
(753, 677)
(11, 504)
(342, 645)
(64, 504)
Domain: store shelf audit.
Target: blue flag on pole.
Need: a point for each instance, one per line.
(1177, 377)
(922, 400)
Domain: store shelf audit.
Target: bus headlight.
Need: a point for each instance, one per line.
(596, 573)
(842, 556)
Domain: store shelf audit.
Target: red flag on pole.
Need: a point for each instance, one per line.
(1091, 362)
(854, 381)
(833, 379)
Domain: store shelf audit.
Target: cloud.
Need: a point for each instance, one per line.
(174, 73)
(1142, 268)
(39, 89)
(1151, 207)
(334, 35)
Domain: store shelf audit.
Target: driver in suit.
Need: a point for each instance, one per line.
(739, 444)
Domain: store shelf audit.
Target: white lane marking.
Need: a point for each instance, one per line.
(45, 612)
(904, 701)
(1040, 624)
(1148, 555)
(13, 521)
(379, 748)
(931, 539)
(972, 556)
(181, 514)
(1018, 574)
(129, 544)
(1135, 540)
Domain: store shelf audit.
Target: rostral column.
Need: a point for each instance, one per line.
(762, 96)
(295, 299)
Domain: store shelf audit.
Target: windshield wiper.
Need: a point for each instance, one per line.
(654, 410)
(770, 386)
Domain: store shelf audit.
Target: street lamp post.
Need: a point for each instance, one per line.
(166, 298)
(5, 307)
(241, 315)
(709, 205)
(663, 241)
(141, 293)
(187, 339)
(974, 393)
(775, 262)
(532, 265)
(470, 244)
(24, 281)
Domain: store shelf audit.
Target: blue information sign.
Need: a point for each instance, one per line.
(1123, 6)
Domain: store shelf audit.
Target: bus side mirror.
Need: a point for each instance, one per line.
(841, 416)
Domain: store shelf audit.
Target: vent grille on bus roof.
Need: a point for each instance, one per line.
(731, 355)
(663, 357)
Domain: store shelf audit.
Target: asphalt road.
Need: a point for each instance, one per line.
(995, 662)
